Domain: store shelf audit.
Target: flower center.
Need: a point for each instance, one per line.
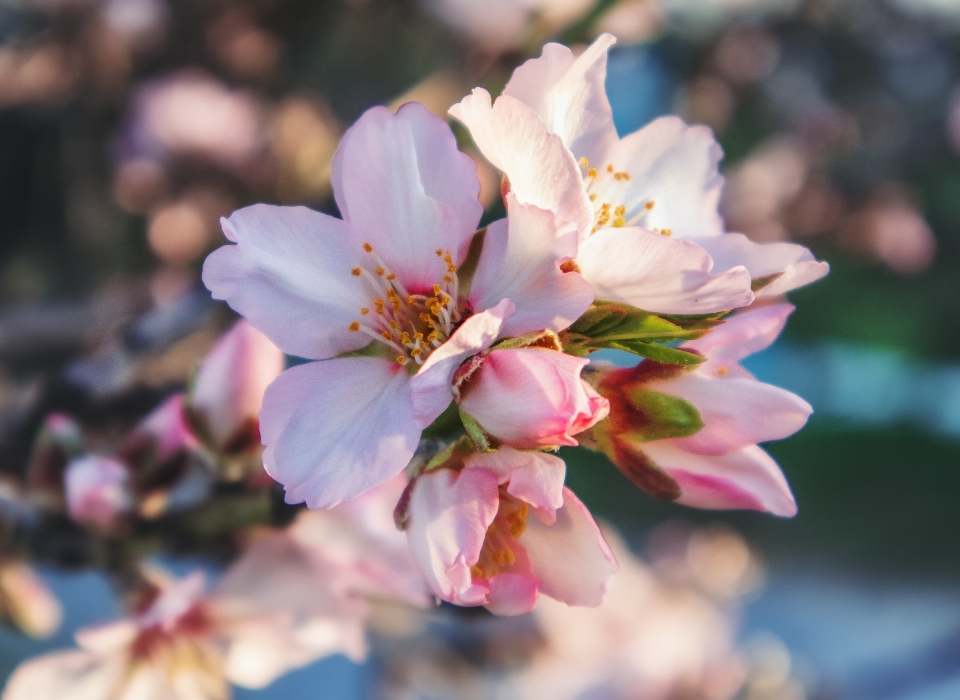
(605, 188)
(497, 553)
(413, 325)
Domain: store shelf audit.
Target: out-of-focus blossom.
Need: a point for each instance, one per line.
(384, 279)
(530, 397)
(632, 21)
(139, 22)
(552, 134)
(45, 74)
(97, 490)
(890, 229)
(500, 25)
(242, 47)
(504, 529)
(224, 399)
(191, 114)
(690, 435)
(651, 639)
(25, 600)
(303, 138)
(292, 598)
(58, 441)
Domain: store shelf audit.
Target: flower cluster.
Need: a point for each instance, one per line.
(460, 355)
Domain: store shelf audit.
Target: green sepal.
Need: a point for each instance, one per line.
(538, 339)
(661, 416)
(658, 353)
(452, 456)
(478, 436)
(758, 283)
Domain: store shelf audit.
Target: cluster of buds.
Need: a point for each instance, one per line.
(460, 356)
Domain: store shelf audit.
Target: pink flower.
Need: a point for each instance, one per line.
(97, 490)
(531, 397)
(702, 450)
(646, 205)
(384, 280)
(227, 394)
(503, 530)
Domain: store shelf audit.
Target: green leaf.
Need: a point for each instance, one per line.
(657, 416)
(539, 339)
(658, 353)
(448, 423)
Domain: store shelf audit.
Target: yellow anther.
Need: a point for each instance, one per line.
(392, 276)
(451, 268)
(433, 336)
(436, 290)
(620, 211)
(625, 176)
(387, 335)
(593, 197)
(355, 326)
(667, 232)
(604, 206)
(394, 325)
(418, 335)
(404, 337)
(650, 205)
(448, 279)
(723, 371)
(356, 272)
(584, 163)
(517, 520)
(504, 558)
(610, 168)
(425, 318)
(380, 271)
(619, 222)
(410, 300)
(367, 247)
(416, 352)
(476, 572)
(401, 360)
(364, 311)
(593, 173)
(439, 252)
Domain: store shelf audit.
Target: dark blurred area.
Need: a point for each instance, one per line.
(128, 127)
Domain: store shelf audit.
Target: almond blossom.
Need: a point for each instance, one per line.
(691, 434)
(292, 598)
(645, 205)
(503, 529)
(383, 298)
(97, 490)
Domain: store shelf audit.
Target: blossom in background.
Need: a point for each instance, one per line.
(645, 205)
(384, 280)
(25, 600)
(98, 490)
(292, 598)
(690, 434)
(504, 529)
(225, 397)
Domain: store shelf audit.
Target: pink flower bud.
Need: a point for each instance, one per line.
(228, 391)
(97, 490)
(532, 397)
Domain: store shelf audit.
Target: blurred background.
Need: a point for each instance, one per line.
(128, 127)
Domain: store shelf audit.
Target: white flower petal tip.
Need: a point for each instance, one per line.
(660, 274)
(789, 265)
(337, 428)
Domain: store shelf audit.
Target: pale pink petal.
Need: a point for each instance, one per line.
(569, 94)
(431, 389)
(735, 412)
(570, 556)
(108, 638)
(389, 199)
(77, 675)
(737, 337)
(166, 428)
(174, 602)
(28, 602)
(676, 167)
(532, 397)
(449, 516)
(97, 490)
(796, 263)
(289, 274)
(337, 428)
(532, 476)
(228, 389)
(541, 169)
(660, 274)
(745, 479)
(521, 261)
(512, 594)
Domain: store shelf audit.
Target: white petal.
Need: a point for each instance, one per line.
(289, 274)
(747, 478)
(532, 476)
(521, 261)
(337, 428)
(403, 187)
(541, 169)
(676, 167)
(660, 274)
(570, 556)
(77, 675)
(796, 263)
(569, 94)
(431, 387)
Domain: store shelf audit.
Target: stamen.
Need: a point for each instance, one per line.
(584, 163)
(380, 271)
(367, 247)
(356, 272)
(401, 360)
(592, 173)
(355, 326)
(364, 311)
